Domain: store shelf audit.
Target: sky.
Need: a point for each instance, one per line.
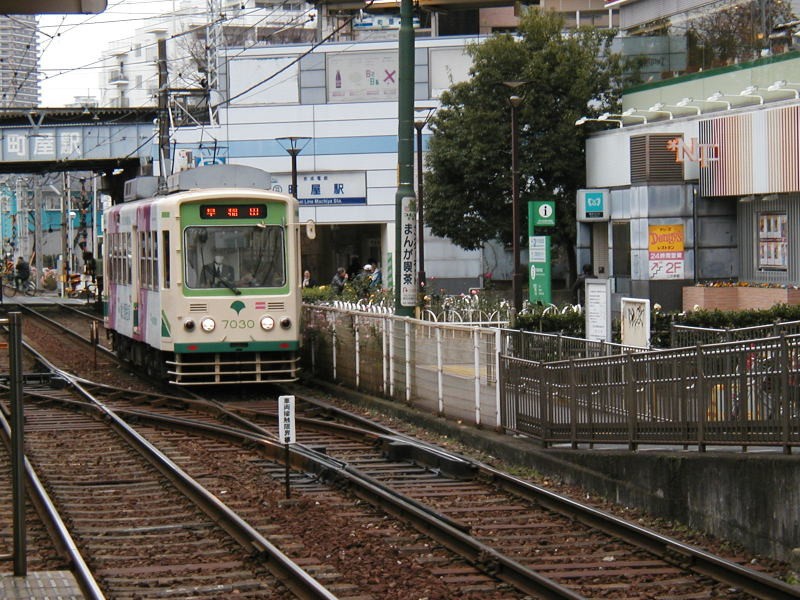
(71, 46)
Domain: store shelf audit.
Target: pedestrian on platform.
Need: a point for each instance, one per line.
(308, 280)
(363, 281)
(89, 265)
(339, 280)
(376, 277)
(23, 273)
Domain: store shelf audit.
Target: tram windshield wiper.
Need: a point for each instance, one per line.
(229, 285)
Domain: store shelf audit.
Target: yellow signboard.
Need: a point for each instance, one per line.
(665, 246)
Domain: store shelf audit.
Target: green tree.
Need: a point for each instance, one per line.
(468, 180)
(724, 33)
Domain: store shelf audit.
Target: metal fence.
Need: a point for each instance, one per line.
(460, 313)
(685, 335)
(562, 390)
(738, 393)
(550, 347)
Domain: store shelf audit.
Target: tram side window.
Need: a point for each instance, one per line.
(144, 251)
(115, 257)
(127, 257)
(111, 249)
(152, 272)
(148, 259)
(165, 254)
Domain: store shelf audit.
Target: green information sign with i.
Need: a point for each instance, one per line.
(540, 214)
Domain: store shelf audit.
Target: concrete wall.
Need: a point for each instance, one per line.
(750, 499)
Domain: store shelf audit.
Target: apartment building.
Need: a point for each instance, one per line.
(19, 67)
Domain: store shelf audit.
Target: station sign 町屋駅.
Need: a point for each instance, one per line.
(347, 188)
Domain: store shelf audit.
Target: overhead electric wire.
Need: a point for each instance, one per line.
(100, 63)
(299, 20)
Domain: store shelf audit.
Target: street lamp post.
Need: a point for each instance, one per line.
(516, 278)
(419, 125)
(294, 146)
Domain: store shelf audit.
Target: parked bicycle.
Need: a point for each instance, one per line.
(87, 290)
(81, 287)
(11, 287)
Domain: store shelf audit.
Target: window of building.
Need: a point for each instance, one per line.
(621, 244)
(773, 252)
(715, 34)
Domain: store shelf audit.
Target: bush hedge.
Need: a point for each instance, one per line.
(570, 322)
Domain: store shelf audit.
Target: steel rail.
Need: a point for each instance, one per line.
(682, 555)
(678, 553)
(281, 566)
(55, 525)
(53, 323)
(451, 535)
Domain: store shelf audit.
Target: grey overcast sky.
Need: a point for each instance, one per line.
(71, 46)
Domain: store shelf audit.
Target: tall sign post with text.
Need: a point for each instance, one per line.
(540, 214)
(405, 256)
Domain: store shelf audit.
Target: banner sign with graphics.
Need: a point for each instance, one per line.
(665, 251)
(598, 309)
(362, 76)
(539, 284)
(542, 213)
(408, 249)
(635, 322)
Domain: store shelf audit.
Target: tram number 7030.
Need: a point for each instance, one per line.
(238, 323)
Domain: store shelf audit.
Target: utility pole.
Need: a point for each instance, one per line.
(405, 220)
(165, 164)
(38, 235)
(64, 245)
(214, 39)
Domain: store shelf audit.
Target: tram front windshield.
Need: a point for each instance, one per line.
(238, 256)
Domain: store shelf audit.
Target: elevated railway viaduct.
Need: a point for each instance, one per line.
(117, 142)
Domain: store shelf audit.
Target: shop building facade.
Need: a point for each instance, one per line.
(700, 181)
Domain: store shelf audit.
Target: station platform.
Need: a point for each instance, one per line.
(40, 585)
(44, 297)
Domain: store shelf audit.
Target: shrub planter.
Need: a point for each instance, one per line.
(737, 297)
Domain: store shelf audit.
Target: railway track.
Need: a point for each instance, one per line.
(574, 545)
(145, 528)
(530, 538)
(380, 545)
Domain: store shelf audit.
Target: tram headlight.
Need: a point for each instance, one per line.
(286, 323)
(188, 325)
(267, 323)
(208, 324)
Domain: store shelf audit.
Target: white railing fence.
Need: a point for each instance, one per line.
(445, 368)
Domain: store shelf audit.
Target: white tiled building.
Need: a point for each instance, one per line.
(341, 96)
(341, 99)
